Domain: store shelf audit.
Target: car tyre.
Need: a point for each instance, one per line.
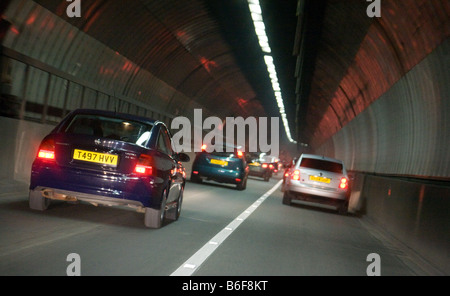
(174, 213)
(37, 201)
(242, 185)
(343, 208)
(195, 178)
(154, 218)
(266, 177)
(286, 198)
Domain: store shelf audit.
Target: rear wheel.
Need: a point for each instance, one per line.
(286, 198)
(267, 177)
(242, 185)
(154, 217)
(37, 201)
(343, 208)
(195, 178)
(174, 213)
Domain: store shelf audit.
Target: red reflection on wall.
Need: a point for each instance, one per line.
(31, 19)
(105, 71)
(15, 30)
(127, 66)
(90, 21)
(207, 63)
(181, 34)
(242, 102)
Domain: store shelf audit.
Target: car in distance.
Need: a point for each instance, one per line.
(318, 179)
(273, 163)
(260, 166)
(109, 158)
(220, 166)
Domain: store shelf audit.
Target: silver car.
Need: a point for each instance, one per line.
(318, 179)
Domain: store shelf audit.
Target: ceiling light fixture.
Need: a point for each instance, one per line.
(260, 30)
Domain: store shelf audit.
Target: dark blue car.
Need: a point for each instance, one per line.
(108, 158)
(221, 166)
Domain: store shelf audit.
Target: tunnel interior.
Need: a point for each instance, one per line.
(372, 91)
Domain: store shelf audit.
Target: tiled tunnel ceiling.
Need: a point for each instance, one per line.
(177, 41)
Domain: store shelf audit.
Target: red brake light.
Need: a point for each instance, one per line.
(47, 149)
(271, 166)
(264, 165)
(46, 154)
(344, 183)
(240, 153)
(203, 147)
(142, 169)
(143, 166)
(296, 175)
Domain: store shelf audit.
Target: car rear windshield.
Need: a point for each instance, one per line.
(111, 128)
(222, 154)
(323, 165)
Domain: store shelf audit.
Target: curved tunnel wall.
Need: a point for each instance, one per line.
(171, 58)
(388, 112)
(37, 33)
(405, 131)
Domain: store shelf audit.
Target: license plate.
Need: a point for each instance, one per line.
(219, 162)
(319, 179)
(90, 156)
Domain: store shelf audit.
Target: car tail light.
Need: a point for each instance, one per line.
(271, 166)
(296, 175)
(143, 166)
(344, 183)
(203, 147)
(264, 165)
(240, 153)
(238, 180)
(47, 149)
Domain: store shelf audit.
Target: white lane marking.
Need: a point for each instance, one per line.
(196, 260)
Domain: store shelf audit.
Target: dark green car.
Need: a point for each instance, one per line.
(223, 167)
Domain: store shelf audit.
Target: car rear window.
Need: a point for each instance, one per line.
(223, 152)
(111, 128)
(321, 164)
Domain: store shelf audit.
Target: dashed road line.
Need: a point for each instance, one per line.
(196, 260)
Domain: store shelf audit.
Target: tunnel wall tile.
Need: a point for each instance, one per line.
(405, 131)
(42, 35)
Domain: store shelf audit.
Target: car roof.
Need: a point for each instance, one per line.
(270, 158)
(322, 157)
(117, 114)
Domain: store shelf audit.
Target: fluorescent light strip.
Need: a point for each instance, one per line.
(260, 30)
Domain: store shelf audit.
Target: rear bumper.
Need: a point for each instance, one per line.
(257, 171)
(218, 174)
(89, 185)
(66, 195)
(298, 190)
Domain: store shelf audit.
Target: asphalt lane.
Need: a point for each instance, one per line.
(274, 240)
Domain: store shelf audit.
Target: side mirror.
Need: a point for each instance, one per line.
(183, 157)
